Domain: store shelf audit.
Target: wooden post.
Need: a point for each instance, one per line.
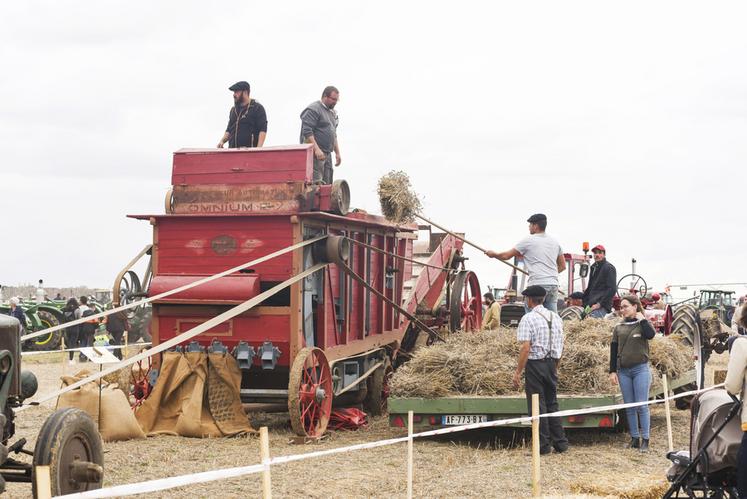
(126, 338)
(43, 482)
(667, 410)
(64, 353)
(409, 454)
(535, 445)
(264, 451)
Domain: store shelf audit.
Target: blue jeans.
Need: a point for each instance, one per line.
(635, 382)
(551, 299)
(599, 313)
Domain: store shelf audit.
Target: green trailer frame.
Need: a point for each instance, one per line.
(428, 413)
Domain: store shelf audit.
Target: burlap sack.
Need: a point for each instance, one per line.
(85, 398)
(117, 419)
(180, 401)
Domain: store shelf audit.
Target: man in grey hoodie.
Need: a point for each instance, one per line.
(319, 127)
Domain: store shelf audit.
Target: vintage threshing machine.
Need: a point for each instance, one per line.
(335, 334)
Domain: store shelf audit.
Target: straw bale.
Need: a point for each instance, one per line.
(482, 363)
(622, 486)
(399, 203)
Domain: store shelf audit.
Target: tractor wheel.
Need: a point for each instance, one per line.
(378, 389)
(49, 341)
(571, 313)
(70, 445)
(685, 322)
(310, 393)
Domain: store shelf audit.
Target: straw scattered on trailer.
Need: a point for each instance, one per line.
(483, 363)
(399, 203)
(620, 486)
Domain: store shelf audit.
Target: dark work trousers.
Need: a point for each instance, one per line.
(742, 467)
(117, 340)
(71, 338)
(323, 172)
(541, 377)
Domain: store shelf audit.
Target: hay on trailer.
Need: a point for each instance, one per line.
(482, 363)
(399, 203)
(622, 486)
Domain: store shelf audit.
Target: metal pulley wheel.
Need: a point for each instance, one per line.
(70, 445)
(310, 393)
(465, 302)
(340, 197)
(332, 249)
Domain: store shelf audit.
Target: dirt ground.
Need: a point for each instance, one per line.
(475, 464)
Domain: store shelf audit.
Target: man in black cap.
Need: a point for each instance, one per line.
(576, 299)
(543, 259)
(540, 334)
(319, 127)
(247, 120)
(602, 284)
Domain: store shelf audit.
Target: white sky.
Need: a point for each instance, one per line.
(625, 123)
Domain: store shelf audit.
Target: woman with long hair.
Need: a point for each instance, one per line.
(629, 367)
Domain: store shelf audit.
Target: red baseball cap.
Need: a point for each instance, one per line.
(598, 247)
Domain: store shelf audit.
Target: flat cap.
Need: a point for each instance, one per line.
(576, 295)
(537, 217)
(534, 291)
(239, 85)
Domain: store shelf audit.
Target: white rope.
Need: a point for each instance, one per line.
(109, 347)
(172, 291)
(182, 480)
(238, 309)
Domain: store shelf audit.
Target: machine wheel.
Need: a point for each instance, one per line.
(378, 389)
(465, 302)
(572, 313)
(310, 393)
(129, 287)
(49, 341)
(71, 446)
(631, 284)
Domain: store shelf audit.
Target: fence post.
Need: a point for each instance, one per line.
(264, 451)
(409, 454)
(535, 446)
(64, 353)
(43, 482)
(667, 410)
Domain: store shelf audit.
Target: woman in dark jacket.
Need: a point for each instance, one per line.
(72, 332)
(629, 367)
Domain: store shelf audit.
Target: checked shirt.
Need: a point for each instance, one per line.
(533, 328)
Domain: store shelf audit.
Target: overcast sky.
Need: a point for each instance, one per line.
(625, 123)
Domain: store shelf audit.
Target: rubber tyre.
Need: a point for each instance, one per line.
(571, 313)
(65, 428)
(47, 342)
(375, 402)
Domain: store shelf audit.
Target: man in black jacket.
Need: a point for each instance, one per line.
(602, 284)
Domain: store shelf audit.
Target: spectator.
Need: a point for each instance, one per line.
(629, 367)
(736, 384)
(17, 311)
(543, 259)
(602, 284)
(492, 317)
(88, 328)
(116, 325)
(71, 332)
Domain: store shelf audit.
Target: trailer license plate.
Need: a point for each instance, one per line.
(460, 419)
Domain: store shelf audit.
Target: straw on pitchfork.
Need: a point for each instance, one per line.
(400, 204)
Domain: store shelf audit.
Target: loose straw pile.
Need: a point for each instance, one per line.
(482, 363)
(399, 203)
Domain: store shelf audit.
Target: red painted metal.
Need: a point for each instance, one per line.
(229, 289)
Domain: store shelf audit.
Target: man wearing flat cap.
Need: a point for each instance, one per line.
(543, 259)
(540, 334)
(247, 120)
(602, 284)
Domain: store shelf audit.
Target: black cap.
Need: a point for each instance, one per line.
(576, 295)
(239, 85)
(534, 291)
(537, 217)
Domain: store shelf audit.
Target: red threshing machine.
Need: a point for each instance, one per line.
(335, 334)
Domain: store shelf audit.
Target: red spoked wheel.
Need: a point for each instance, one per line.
(465, 303)
(310, 393)
(139, 375)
